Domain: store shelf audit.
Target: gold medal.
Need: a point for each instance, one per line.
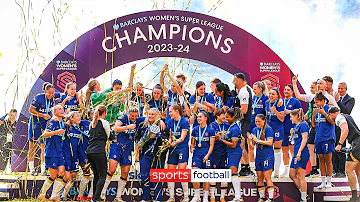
(253, 112)
(199, 145)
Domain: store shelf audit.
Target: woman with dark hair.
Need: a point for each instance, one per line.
(202, 145)
(98, 135)
(298, 164)
(290, 104)
(263, 137)
(258, 107)
(54, 156)
(175, 93)
(70, 100)
(150, 138)
(201, 101)
(121, 149)
(324, 138)
(219, 157)
(158, 101)
(116, 103)
(233, 139)
(40, 114)
(179, 148)
(225, 100)
(275, 117)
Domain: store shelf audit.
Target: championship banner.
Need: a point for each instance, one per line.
(154, 34)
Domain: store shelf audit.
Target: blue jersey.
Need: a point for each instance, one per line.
(324, 130)
(72, 141)
(264, 152)
(176, 127)
(219, 147)
(218, 101)
(258, 106)
(126, 137)
(161, 104)
(208, 98)
(273, 120)
(203, 139)
(172, 99)
(234, 131)
(54, 144)
(73, 104)
(290, 104)
(299, 130)
(85, 127)
(42, 105)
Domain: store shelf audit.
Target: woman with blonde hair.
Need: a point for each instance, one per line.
(150, 138)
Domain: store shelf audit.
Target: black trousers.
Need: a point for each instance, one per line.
(338, 158)
(99, 166)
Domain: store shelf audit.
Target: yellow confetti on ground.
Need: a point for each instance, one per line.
(1, 54)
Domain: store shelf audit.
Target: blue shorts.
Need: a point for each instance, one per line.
(233, 159)
(300, 164)
(83, 160)
(278, 133)
(219, 160)
(264, 165)
(34, 133)
(54, 162)
(286, 140)
(179, 155)
(197, 161)
(71, 165)
(120, 154)
(325, 147)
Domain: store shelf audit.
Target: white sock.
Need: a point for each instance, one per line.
(91, 190)
(106, 185)
(252, 166)
(67, 189)
(31, 166)
(120, 188)
(83, 182)
(323, 178)
(171, 186)
(46, 186)
(212, 189)
(328, 180)
(61, 186)
(42, 167)
(55, 189)
(271, 192)
(236, 185)
(185, 187)
(303, 196)
(197, 193)
(206, 194)
(224, 186)
(287, 169)
(261, 192)
(300, 191)
(277, 161)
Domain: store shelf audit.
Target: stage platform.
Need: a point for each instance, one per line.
(25, 187)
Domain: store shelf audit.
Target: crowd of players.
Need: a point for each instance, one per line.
(249, 130)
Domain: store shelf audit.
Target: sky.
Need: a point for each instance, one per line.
(314, 38)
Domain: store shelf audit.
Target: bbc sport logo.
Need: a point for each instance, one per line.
(190, 175)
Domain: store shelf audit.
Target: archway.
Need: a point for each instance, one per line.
(151, 34)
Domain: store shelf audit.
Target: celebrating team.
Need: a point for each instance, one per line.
(245, 130)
